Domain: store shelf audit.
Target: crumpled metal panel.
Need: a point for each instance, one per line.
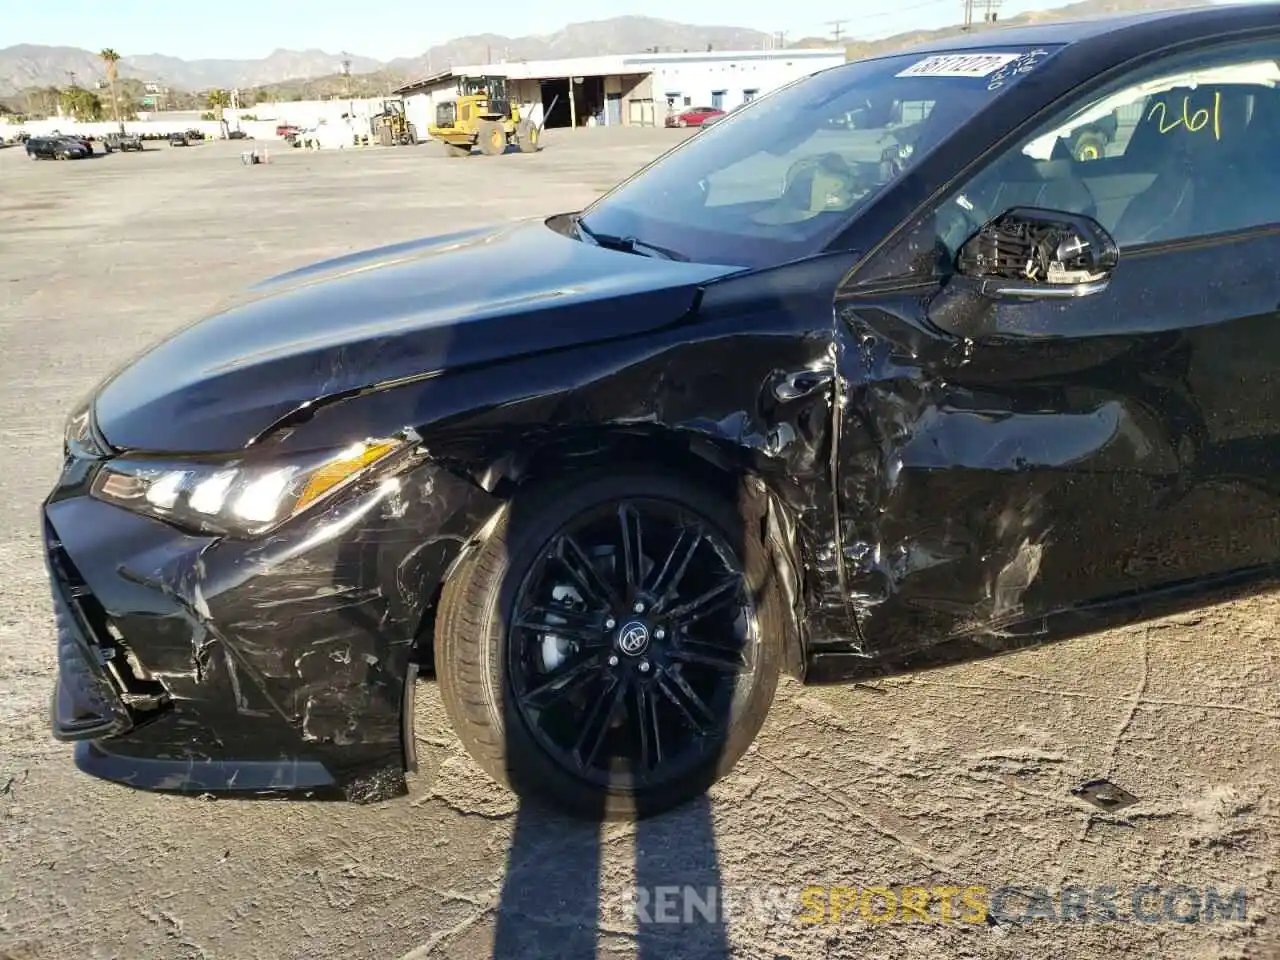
(746, 389)
(1017, 471)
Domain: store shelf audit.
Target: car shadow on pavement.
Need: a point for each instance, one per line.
(551, 903)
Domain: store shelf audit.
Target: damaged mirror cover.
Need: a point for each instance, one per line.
(1031, 253)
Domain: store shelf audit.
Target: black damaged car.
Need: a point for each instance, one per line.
(830, 399)
(58, 147)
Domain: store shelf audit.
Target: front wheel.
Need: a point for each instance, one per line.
(528, 138)
(613, 648)
(1089, 145)
(491, 137)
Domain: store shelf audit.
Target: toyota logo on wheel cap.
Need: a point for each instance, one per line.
(633, 638)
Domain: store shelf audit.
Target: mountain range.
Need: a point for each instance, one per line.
(29, 65)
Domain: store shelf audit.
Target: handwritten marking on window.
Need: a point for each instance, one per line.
(1192, 122)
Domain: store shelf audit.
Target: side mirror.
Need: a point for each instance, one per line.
(1038, 254)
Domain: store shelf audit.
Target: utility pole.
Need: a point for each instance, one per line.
(989, 14)
(781, 37)
(837, 29)
(71, 74)
(968, 15)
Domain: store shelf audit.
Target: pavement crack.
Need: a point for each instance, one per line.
(445, 936)
(902, 838)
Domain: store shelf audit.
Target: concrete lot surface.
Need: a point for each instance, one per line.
(959, 778)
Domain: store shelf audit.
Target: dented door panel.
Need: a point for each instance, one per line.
(1003, 462)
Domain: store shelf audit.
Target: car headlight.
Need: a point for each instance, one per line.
(239, 497)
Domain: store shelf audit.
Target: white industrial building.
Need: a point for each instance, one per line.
(640, 89)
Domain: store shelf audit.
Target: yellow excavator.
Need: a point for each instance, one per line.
(483, 116)
(391, 127)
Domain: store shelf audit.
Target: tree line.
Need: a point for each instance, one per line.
(121, 98)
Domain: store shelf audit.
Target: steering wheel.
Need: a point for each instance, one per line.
(797, 184)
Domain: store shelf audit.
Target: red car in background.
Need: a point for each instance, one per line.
(694, 117)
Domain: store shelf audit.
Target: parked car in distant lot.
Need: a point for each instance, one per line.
(179, 139)
(86, 142)
(58, 148)
(122, 142)
(694, 117)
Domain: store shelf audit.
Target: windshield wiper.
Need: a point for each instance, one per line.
(627, 244)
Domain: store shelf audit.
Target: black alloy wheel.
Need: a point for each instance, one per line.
(639, 651)
(629, 639)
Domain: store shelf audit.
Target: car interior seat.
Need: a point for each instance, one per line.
(1189, 165)
(1251, 169)
(1047, 184)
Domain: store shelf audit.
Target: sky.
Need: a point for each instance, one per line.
(243, 29)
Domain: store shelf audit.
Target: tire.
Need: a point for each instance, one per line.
(1089, 145)
(491, 138)
(481, 669)
(528, 138)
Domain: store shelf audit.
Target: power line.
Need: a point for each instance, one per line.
(898, 11)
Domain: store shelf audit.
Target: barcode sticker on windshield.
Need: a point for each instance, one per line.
(959, 65)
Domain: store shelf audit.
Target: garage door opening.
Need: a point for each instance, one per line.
(589, 102)
(555, 103)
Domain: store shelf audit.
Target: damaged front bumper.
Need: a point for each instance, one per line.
(197, 663)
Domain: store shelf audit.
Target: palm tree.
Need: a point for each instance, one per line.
(218, 100)
(112, 59)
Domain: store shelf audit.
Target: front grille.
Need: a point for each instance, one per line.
(88, 704)
(102, 689)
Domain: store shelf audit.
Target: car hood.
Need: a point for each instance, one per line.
(409, 310)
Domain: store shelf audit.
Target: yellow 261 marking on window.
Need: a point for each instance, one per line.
(1193, 122)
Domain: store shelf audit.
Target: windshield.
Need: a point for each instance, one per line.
(781, 176)
(495, 87)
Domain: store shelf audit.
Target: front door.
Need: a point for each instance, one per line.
(1007, 459)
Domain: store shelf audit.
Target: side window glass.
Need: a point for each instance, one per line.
(1182, 149)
